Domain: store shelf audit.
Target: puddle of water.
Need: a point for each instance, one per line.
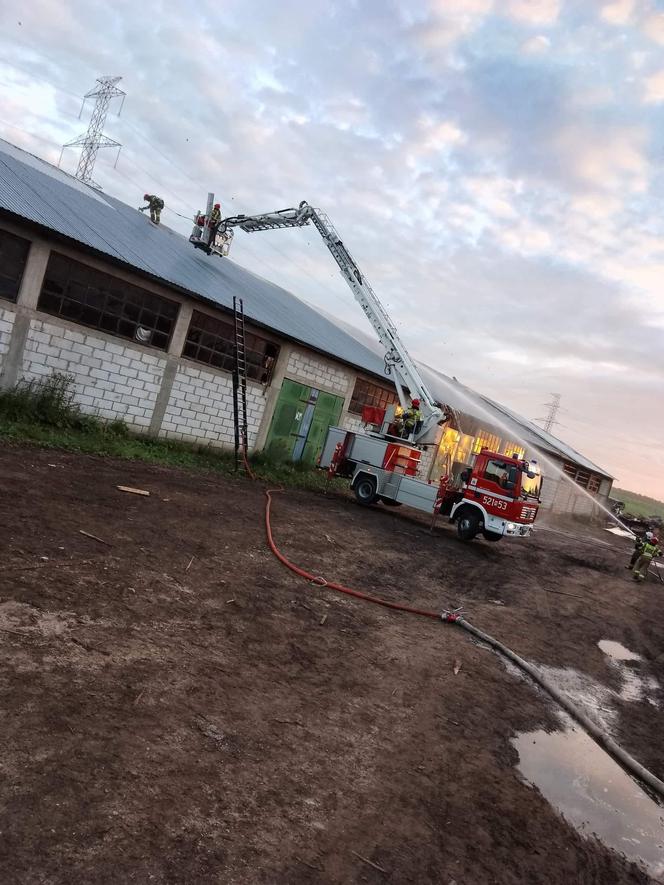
(616, 651)
(635, 686)
(593, 793)
(596, 700)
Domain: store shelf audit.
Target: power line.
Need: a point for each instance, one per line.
(31, 134)
(168, 159)
(156, 180)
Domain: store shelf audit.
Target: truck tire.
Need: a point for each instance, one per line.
(365, 491)
(390, 502)
(491, 536)
(468, 524)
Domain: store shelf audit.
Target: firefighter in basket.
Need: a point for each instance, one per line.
(410, 420)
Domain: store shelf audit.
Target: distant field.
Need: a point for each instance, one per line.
(639, 505)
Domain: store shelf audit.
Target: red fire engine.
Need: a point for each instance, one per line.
(496, 495)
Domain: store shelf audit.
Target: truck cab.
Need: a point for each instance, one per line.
(498, 495)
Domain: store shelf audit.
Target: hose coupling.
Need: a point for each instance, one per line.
(451, 617)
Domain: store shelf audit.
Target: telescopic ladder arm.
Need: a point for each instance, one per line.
(397, 358)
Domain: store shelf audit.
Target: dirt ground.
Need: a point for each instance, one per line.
(177, 707)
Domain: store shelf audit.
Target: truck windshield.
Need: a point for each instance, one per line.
(530, 488)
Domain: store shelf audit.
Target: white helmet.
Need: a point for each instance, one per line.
(649, 536)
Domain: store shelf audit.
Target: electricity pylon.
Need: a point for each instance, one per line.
(94, 138)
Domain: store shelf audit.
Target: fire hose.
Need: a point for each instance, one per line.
(598, 734)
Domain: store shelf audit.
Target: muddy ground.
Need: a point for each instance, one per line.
(179, 708)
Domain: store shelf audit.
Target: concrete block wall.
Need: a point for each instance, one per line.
(426, 464)
(562, 497)
(111, 379)
(319, 372)
(350, 421)
(200, 408)
(570, 501)
(7, 318)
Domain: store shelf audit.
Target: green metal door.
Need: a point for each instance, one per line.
(301, 418)
(326, 413)
(286, 420)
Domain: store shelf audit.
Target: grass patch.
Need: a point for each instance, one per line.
(44, 413)
(639, 505)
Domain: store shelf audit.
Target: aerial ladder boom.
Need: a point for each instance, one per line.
(397, 358)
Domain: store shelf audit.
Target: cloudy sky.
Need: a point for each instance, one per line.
(494, 165)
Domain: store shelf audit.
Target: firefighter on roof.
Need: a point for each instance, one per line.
(155, 204)
(649, 551)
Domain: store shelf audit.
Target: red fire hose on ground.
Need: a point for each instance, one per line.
(376, 600)
(601, 737)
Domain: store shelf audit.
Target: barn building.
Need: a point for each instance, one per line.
(142, 323)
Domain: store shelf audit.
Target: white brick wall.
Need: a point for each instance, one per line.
(200, 408)
(567, 499)
(426, 463)
(351, 422)
(111, 379)
(6, 325)
(319, 372)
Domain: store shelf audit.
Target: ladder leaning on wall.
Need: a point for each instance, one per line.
(239, 384)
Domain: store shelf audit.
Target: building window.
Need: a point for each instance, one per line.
(211, 341)
(464, 449)
(13, 256)
(80, 293)
(485, 440)
(514, 450)
(584, 478)
(368, 394)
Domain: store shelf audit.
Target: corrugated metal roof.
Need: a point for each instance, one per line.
(38, 192)
(49, 197)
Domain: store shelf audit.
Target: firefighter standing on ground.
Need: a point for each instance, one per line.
(155, 204)
(649, 551)
(410, 419)
(638, 546)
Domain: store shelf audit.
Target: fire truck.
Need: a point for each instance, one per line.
(496, 495)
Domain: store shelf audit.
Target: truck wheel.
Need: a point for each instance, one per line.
(468, 525)
(390, 502)
(365, 491)
(491, 536)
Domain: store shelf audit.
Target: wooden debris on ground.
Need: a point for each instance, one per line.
(457, 667)
(370, 862)
(94, 537)
(134, 491)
